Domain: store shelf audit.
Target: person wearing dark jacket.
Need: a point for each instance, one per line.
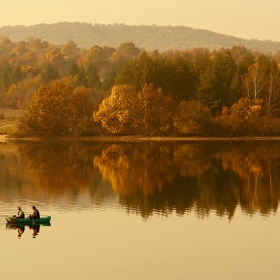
(35, 214)
(20, 214)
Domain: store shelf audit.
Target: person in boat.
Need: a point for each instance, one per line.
(20, 214)
(35, 214)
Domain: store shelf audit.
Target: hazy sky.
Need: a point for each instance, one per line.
(252, 19)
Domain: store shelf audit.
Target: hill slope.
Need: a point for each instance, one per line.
(150, 38)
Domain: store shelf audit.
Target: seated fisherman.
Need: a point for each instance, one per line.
(20, 214)
(35, 214)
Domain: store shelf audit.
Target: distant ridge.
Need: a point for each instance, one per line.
(151, 37)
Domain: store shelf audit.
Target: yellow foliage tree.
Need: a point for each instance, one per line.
(149, 112)
(242, 118)
(118, 112)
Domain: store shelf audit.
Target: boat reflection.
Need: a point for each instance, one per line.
(21, 229)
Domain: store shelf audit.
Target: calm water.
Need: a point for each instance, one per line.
(142, 210)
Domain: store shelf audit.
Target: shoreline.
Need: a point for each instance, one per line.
(6, 138)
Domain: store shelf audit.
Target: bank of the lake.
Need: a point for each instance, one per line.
(107, 138)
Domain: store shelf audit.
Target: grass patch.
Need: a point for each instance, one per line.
(12, 113)
(10, 120)
(9, 129)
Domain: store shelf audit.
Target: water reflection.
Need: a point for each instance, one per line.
(20, 229)
(35, 229)
(147, 177)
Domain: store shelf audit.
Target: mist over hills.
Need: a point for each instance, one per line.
(150, 38)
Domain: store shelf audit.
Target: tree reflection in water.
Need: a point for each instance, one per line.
(181, 177)
(152, 177)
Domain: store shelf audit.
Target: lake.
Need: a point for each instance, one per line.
(141, 210)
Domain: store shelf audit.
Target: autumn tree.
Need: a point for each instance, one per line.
(174, 77)
(20, 49)
(262, 82)
(82, 106)
(5, 75)
(127, 50)
(191, 117)
(82, 77)
(19, 95)
(49, 110)
(55, 57)
(243, 58)
(242, 118)
(117, 113)
(73, 69)
(49, 73)
(30, 72)
(17, 75)
(200, 58)
(156, 110)
(93, 80)
(273, 92)
(70, 50)
(95, 56)
(149, 112)
(213, 90)
(109, 81)
(254, 82)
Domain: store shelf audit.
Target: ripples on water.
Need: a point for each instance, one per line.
(59, 207)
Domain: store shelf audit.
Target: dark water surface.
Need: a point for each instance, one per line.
(142, 210)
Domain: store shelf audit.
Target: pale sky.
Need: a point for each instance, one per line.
(249, 19)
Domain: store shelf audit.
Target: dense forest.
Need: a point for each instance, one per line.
(152, 37)
(73, 91)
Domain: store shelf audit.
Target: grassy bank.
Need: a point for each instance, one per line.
(10, 120)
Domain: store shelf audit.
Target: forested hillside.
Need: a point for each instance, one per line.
(68, 90)
(150, 38)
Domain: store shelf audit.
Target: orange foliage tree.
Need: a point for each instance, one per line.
(156, 111)
(49, 109)
(81, 121)
(242, 118)
(192, 117)
(59, 109)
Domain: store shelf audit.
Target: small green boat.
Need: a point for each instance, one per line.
(27, 221)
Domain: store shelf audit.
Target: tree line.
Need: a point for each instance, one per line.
(69, 90)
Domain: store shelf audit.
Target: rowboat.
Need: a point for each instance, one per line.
(27, 221)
